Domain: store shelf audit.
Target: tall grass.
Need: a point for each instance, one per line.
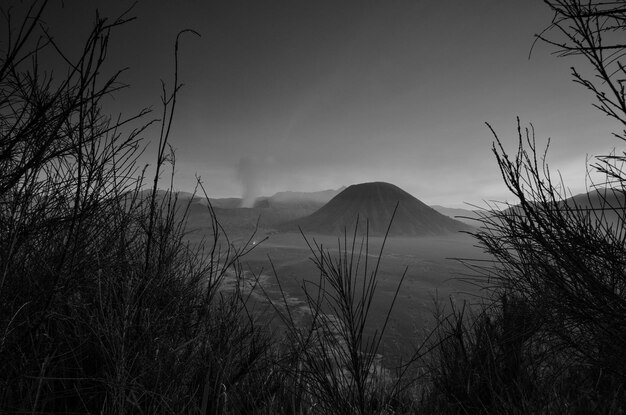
(549, 336)
(104, 305)
(337, 361)
(556, 281)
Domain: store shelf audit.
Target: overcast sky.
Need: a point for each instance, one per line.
(314, 95)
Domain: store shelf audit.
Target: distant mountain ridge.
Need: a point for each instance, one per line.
(375, 202)
(283, 210)
(603, 206)
(287, 199)
(462, 215)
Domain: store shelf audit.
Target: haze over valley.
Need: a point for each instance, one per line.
(420, 239)
(328, 207)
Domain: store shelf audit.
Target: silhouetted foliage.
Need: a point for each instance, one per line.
(104, 306)
(552, 333)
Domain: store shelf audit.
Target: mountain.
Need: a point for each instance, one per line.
(375, 202)
(598, 199)
(604, 207)
(462, 215)
(607, 206)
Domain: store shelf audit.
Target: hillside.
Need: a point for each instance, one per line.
(462, 215)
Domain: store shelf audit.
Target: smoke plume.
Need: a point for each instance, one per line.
(250, 174)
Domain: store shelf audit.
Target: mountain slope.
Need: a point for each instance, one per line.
(462, 215)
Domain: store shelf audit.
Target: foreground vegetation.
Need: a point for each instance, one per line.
(106, 308)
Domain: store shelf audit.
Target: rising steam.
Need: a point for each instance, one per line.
(249, 181)
(252, 173)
